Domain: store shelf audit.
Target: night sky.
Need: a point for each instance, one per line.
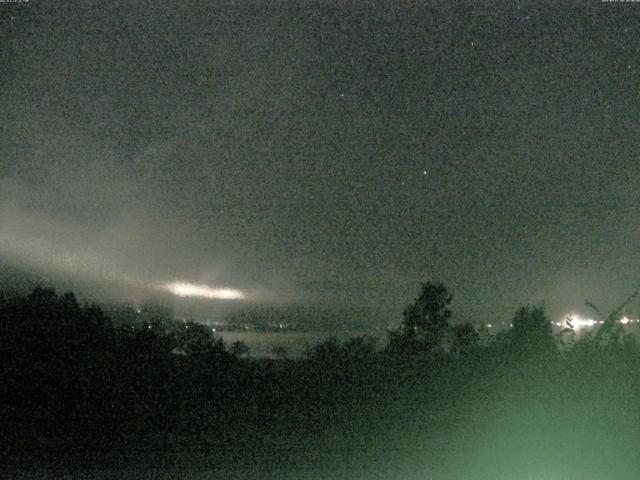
(325, 153)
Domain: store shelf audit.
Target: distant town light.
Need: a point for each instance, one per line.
(578, 322)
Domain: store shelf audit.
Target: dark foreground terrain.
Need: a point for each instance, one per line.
(85, 398)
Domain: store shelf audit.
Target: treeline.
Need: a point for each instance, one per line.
(80, 390)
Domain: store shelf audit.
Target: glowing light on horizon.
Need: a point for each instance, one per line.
(578, 322)
(185, 289)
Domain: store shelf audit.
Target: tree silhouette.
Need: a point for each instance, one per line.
(198, 340)
(326, 352)
(464, 338)
(425, 320)
(359, 348)
(239, 349)
(531, 332)
(612, 333)
(280, 352)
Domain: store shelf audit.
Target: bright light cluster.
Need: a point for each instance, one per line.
(185, 289)
(578, 322)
